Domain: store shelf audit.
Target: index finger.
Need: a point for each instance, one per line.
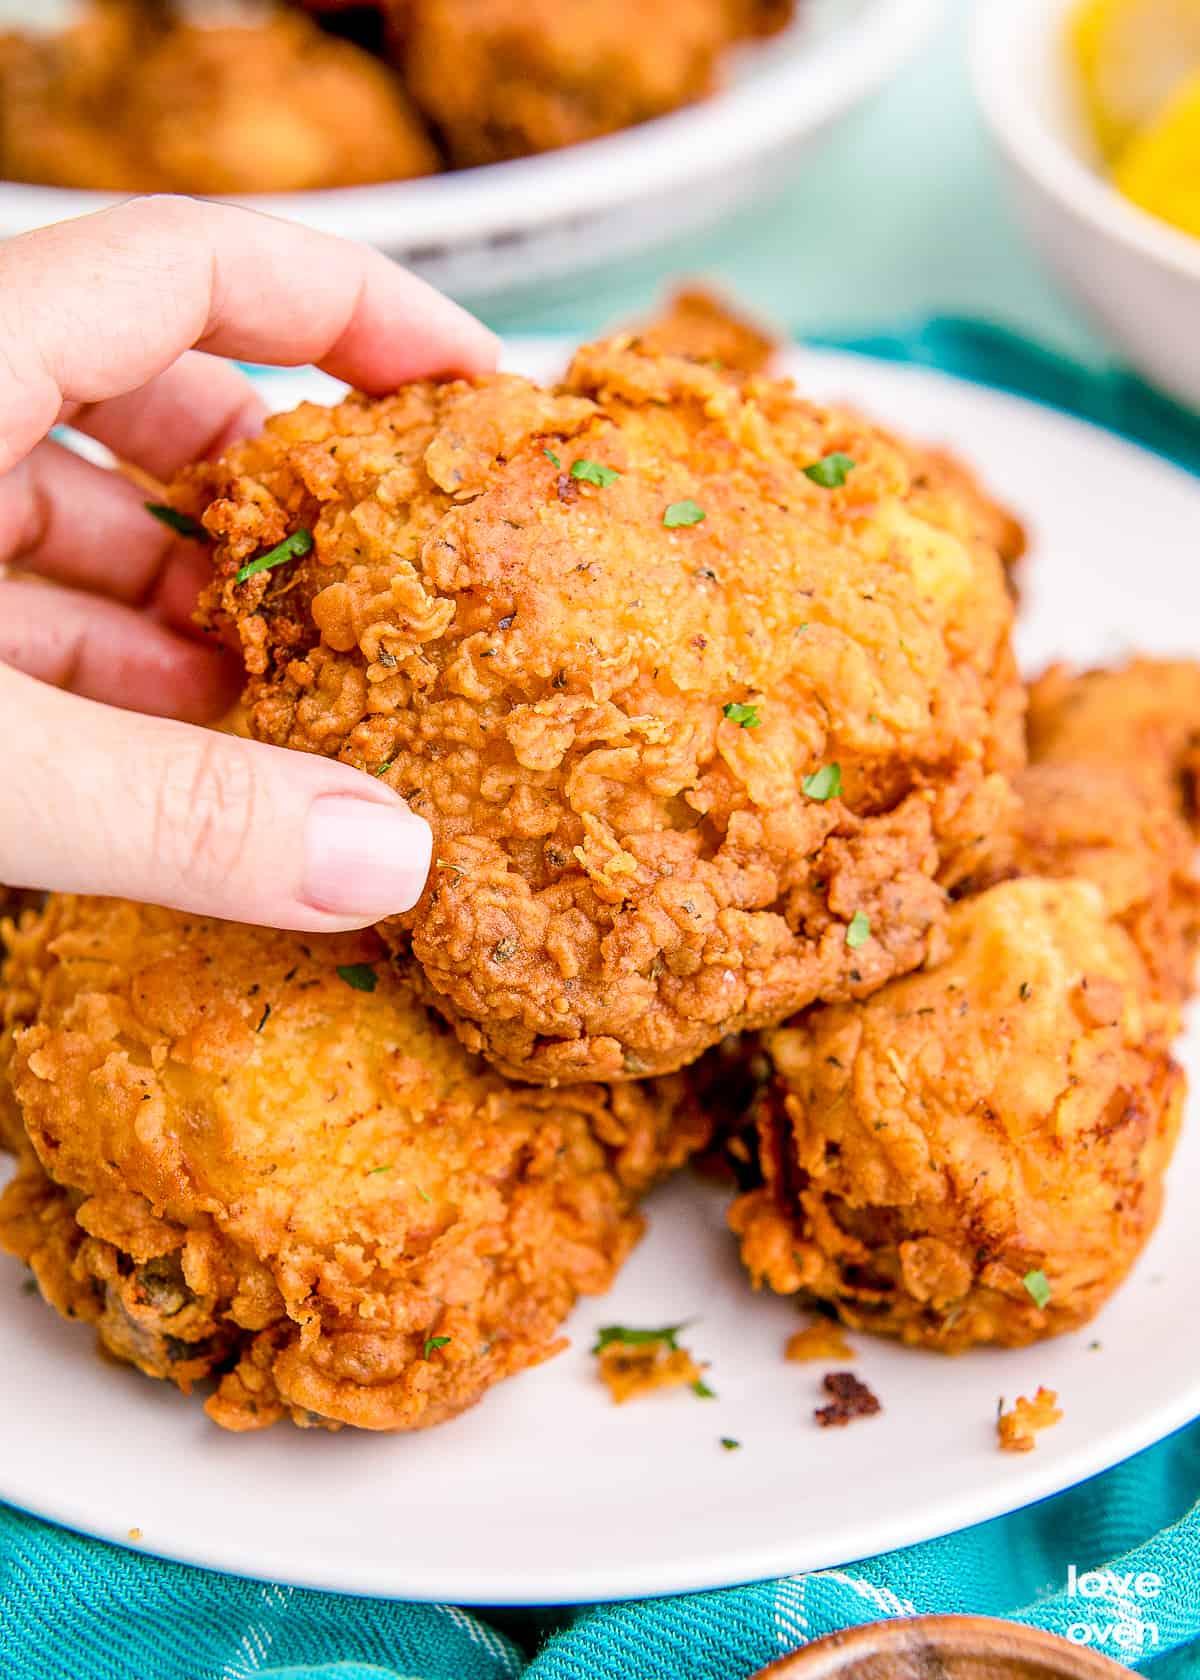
(93, 308)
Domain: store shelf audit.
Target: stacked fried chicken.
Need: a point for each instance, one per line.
(258, 96)
(709, 697)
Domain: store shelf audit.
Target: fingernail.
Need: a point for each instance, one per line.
(364, 859)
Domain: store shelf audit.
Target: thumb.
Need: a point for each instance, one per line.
(96, 800)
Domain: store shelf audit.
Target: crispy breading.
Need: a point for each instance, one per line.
(700, 325)
(1015, 1429)
(535, 75)
(243, 1163)
(1009, 1113)
(129, 100)
(631, 1372)
(1143, 715)
(609, 719)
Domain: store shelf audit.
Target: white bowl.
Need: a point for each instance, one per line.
(515, 226)
(1138, 276)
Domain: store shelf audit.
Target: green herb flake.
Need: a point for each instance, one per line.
(182, 524)
(730, 1445)
(831, 471)
(291, 548)
(701, 1390)
(371, 1171)
(552, 458)
(859, 930)
(746, 716)
(686, 512)
(384, 768)
(825, 783)
(361, 976)
(1037, 1288)
(622, 1333)
(433, 1342)
(592, 472)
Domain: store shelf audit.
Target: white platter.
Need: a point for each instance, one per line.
(547, 1492)
(515, 226)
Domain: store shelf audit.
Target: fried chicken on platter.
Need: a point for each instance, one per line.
(128, 99)
(535, 75)
(976, 1154)
(256, 1156)
(706, 691)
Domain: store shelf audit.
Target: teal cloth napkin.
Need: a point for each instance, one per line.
(75, 1607)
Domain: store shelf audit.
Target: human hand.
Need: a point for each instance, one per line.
(115, 324)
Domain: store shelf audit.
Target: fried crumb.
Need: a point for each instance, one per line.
(135, 1534)
(819, 1340)
(850, 1399)
(1016, 1429)
(629, 1372)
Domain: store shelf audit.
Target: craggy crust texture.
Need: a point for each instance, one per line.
(242, 1166)
(623, 874)
(1110, 795)
(503, 78)
(701, 326)
(125, 103)
(1012, 1110)
(1144, 715)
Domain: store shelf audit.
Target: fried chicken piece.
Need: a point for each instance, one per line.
(1110, 793)
(128, 100)
(977, 1153)
(701, 326)
(1144, 716)
(685, 775)
(256, 1156)
(535, 75)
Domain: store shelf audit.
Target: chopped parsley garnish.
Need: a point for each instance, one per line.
(432, 1342)
(825, 783)
(746, 716)
(611, 1333)
(552, 458)
(730, 1445)
(592, 472)
(182, 524)
(384, 768)
(859, 930)
(831, 471)
(702, 1391)
(1037, 1288)
(686, 512)
(359, 975)
(371, 1171)
(300, 542)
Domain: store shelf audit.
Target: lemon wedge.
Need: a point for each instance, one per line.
(1131, 55)
(1160, 167)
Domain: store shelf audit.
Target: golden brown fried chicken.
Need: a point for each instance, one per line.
(707, 692)
(702, 327)
(977, 1153)
(127, 100)
(256, 1156)
(504, 78)
(1144, 716)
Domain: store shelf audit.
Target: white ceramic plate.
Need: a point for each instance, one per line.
(514, 226)
(547, 1492)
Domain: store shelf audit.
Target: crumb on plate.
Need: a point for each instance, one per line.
(819, 1340)
(1016, 1429)
(850, 1398)
(634, 1363)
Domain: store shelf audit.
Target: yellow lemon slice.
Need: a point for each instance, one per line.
(1160, 167)
(1131, 55)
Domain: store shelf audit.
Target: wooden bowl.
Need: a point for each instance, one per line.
(945, 1647)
